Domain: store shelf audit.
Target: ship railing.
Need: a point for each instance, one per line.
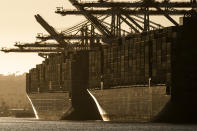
(129, 86)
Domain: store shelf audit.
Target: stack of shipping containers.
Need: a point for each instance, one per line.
(94, 68)
(140, 57)
(133, 61)
(66, 75)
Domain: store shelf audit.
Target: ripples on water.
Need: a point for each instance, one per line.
(30, 124)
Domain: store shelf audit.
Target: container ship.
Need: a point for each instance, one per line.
(48, 90)
(135, 80)
(151, 76)
(138, 77)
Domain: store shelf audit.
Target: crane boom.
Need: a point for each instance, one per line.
(37, 44)
(101, 28)
(163, 4)
(29, 50)
(124, 11)
(50, 30)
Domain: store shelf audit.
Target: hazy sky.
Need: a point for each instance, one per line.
(17, 23)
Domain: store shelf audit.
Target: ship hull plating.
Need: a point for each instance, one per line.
(133, 104)
(50, 106)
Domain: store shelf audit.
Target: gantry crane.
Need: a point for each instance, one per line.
(119, 12)
(86, 29)
(43, 48)
(94, 21)
(60, 37)
(42, 52)
(31, 50)
(149, 3)
(126, 9)
(38, 44)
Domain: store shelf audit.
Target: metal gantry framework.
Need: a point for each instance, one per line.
(38, 44)
(145, 3)
(36, 47)
(84, 32)
(96, 30)
(31, 50)
(128, 9)
(50, 30)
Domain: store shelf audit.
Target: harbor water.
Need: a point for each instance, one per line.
(32, 124)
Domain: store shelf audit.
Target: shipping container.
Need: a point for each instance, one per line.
(134, 60)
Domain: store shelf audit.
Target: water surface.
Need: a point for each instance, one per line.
(31, 124)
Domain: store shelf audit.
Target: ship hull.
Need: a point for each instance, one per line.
(50, 106)
(132, 104)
